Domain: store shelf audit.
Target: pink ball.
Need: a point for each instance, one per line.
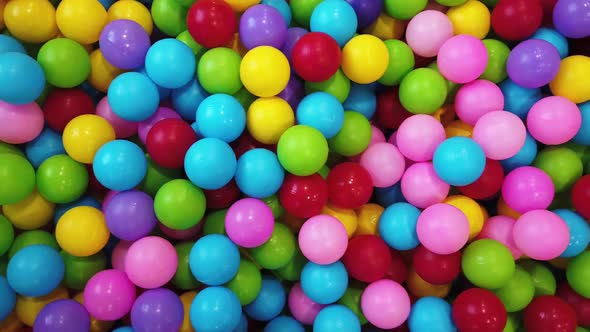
(418, 136)
(422, 187)
(462, 58)
(384, 163)
(20, 123)
(554, 120)
(109, 295)
(151, 262)
(302, 307)
(442, 229)
(323, 239)
(376, 137)
(249, 222)
(385, 304)
(528, 188)
(119, 254)
(143, 127)
(186, 234)
(476, 98)
(428, 31)
(541, 234)
(500, 134)
(123, 128)
(499, 228)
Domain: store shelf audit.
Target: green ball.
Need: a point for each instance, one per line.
(186, 38)
(245, 97)
(423, 91)
(247, 282)
(352, 300)
(169, 16)
(543, 279)
(80, 269)
(183, 278)
(30, 238)
(292, 271)
(497, 56)
(65, 62)
(518, 292)
(9, 148)
(338, 85)
(17, 178)
(488, 264)
(324, 171)
(452, 87)
(451, 3)
(156, 176)
(582, 151)
(3, 265)
(179, 204)
(581, 329)
(302, 9)
(215, 223)
(274, 204)
(562, 165)
(403, 64)
(578, 274)
(61, 179)
(219, 71)
(512, 323)
(278, 250)
(6, 234)
(404, 9)
(302, 150)
(354, 137)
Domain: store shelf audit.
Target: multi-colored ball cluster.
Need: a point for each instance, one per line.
(289, 166)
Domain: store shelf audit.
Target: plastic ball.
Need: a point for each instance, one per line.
(82, 231)
(62, 105)
(540, 224)
(214, 260)
(498, 53)
(157, 307)
(62, 315)
(302, 150)
(293, 36)
(270, 300)
(431, 311)
(303, 196)
(475, 99)
(500, 228)
(516, 20)
(284, 323)
(211, 23)
(65, 62)
(268, 118)
(124, 43)
(9, 297)
(247, 282)
(170, 63)
(10, 44)
(428, 31)
(367, 12)
(179, 212)
(555, 38)
(354, 136)
(133, 96)
(362, 99)
(18, 178)
(30, 213)
(282, 6)
(500, 134)
(397, 226)
(367, 258)
(578, 302)
(336, 318)
(518, 292)
(130, 215)
(471, 18)
(365, 59)
(262, 25)
(215, 308)
(221, 116)
(577, 271)
(219, 71)
(21, 78)
(60, 179)
(324, 284)
(573, 70)
(488, 184)
(35, 270)
(265, 71)
(442, 229)
(120, 165)
(301, 306)
(84, 135)
(321, 111)
(349, 185)
(135, 11)
(19, 15)
(487, 263)
(20, 123)
(7, 237)
(386, 304)
(462, 58)
(421, 186)
(418, 136)
(478, 309)
(316, 56)
(459, 161)
(80, 269)
(259, 173)
(403, 10)
(337, 19)
(580, 192)
(549, 312)
(528, 188)
(210, 170)
(385, 164)
(426, 83)
(519, 100)
(168, 141)
(249, 222)
(560, 114)
(81, 21)
(533, 63)
(396, 70)
(570, 18)
(323, 239)
(564, 168)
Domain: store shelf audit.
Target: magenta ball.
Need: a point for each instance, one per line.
(421, 186)
(541, 235)
(442, 229)
(123, 128)
(527, 188)
(301, 306)
(109, 295)
(500, 134)
(20, 123)
(477, 98)
(384, 163)
(119, 254)
(323, 239)
(124, 44)
(428, 31)
(143, 127)
(554, 120)
(385, 304)
(418, 136)
(500, 228)
(462, 58)
(151, 262)
(249, 222)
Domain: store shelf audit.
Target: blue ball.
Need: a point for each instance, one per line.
(282, 6)
(133, 96)
(215, 309)
(22, 79)
(583, 135)
(269, 302)
(459, 161)
(242, 325)
(107, 4)
(94, 94)
(210, 163)
(389, 195)
(397, 226)
(284, 324)
(336, 318)
(525, 156)
(579, 232)
(221, 116)
(60, 209)
(170, 63)
(335, 18)
(519, 100)
(431, 314)
(9, 44)
(554, 38)
(187, 99)
(46, 145)
(214, 259)
(124, 329)
(119, 165)
(361, 99)
(35, 270)
(324, 284)
(8, 297)
(164, 93)
(321, 111)
(259, 173)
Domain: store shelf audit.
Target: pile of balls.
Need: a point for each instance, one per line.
(288, 166)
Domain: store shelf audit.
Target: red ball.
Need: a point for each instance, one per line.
(580, 304)
(581, 196)
(398, 271)
(223, 197)
(367, 258)
(488, 184)
(390, 113)
(434, 268)
(479, 310)
(168, 140)
(349, 185)
(211, 23)
(316, 57)
(304, 196)
(517, 19)
(548, 12)
(246, 142)
(549, 313)
(62, 105)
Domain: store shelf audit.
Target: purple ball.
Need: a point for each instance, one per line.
(124, 44)
(157, 310)
(293, 92)
(533, 63)
(263, 25)
(61, 316)
(130, 215)
(293, 36)
(367, 11)
(572, 18)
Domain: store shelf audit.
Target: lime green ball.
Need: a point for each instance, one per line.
(169, 16)
(324, 171)
(302, 150)
(518, 292)
(292, 271)
(183, 278)
(497, 56)
(488, 264)
(354, 137)
(30, 238)
(451, 3)
(65, 62)
(80, 269)
(179, 204)
(581, 151)
(581, 329)
(452, 87)
(245, 97)
(156, 176)
(352, 300)
(17, 178)
(562, 165)
(219, 71)
(423, 91)
(543, 279)
(6, 234)
(215, 223)
(186, 38)
(338, 85)
(403, 62)
(512, 323)
(404, 9)
(302, 9)
(9, 148)
(61, 179)
(274, 204)
(578, 274)
(278, 250)
(247, 282)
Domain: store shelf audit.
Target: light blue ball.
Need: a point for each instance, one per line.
(336, 318)
(170, 63)
(124, 329)
(269, 302)
(22, 79)
(389, 195)
(259, 173)
(431, 314)
(164, 93)
(120, 165)
(397, 226)
(583, 135)
(284, 324)
(459, 161)
(321, 111)
(519, 100)
(335, 18)
(525, 156)
(8, 297)
(214, 260)
(215, 309)
(210, 163)
(579, 232)
(35, 270)
(221, 116)
(47, 144)
(361, 99)
(554, 38)
(187, 99)
(133, 96)
(9, 44)
(324, 284)
(60, 209)
(282, 6)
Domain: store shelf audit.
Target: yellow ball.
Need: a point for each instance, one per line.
(187, 300)
(470, 18)
(82, 231)
(472, 211)
(81, 20)
(84, 135)
(347, 217)
(2, 6)
(31, 213)
(265, 71)
(421, 288)
(241, 5)
(32, 21)
(573, 79)
(445, 114)
(458, 128)
(27, 308)
(505, 210)
(364, 59)
(268, 118)
(386, 27)
(134, 11)
(368, 219)
(95, 325)
(102, 73)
